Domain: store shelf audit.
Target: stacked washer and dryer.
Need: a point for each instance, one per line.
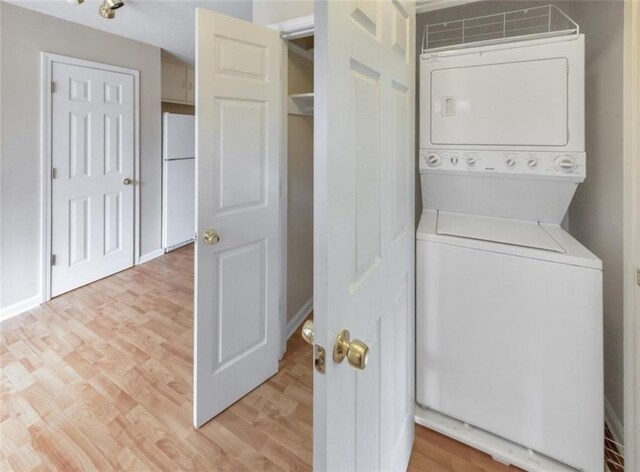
(509, 305)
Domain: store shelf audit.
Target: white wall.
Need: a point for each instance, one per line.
(24, 34)
(299, 192)
(267, 12)
(595, 215)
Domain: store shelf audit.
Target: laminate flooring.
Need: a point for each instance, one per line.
(100, 379)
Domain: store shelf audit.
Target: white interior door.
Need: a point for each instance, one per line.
(92, 154)
(238, 135)
(364, 231)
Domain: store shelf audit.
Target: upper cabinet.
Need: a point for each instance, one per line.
(191, 85)
(178, 83)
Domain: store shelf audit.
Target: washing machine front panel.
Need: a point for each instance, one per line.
(514, 346)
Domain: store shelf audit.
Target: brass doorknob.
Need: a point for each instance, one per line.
(211, 237)
(356, 352)
(307, 331)
(127, 181)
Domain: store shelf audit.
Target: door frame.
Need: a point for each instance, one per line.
(631, 248)
(290, 29)
(46, 122)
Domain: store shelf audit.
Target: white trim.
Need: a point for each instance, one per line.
(500, 449)
(295, 28)
(613, 422)
(423, 6)
(302, 314)
(631, 249)
(47, 61)
(290, 29)
(284, 191)
(151, 255)
(19, 308)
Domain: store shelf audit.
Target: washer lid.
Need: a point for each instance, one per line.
(573, 253)
(500, 230)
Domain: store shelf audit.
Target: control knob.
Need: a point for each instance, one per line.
(511, 162)
(471, 161)
(454, 160)
(566, 163)
(433, 160)
(532, 162)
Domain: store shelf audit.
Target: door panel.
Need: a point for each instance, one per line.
(92, 152)
(363, 231)
(112, 144)
(237, 333)
(242, 166)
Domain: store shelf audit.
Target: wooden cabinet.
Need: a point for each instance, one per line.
(191, 85)
(178, 83)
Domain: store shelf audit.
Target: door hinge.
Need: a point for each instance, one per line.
(53, 259)
(638, 277)
(53, 87)
(319, 358)
(54, 173)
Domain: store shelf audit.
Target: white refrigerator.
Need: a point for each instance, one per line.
(178, 180)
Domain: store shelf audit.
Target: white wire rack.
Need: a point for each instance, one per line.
(518, 25)
(613, 453)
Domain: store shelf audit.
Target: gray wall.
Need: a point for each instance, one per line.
(595, 215)
(300, 192)
(24, 35)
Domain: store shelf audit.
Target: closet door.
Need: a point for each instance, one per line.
(238, 260)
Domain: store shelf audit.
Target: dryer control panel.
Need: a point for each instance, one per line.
(530, 164)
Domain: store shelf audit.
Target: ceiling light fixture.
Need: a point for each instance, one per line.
(114, 4)
(106, 11)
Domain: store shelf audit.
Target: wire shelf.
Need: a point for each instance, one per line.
(613, 452)
(518, 25)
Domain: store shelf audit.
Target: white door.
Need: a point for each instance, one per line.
(92, 138)
(364, 231)
(238, 135)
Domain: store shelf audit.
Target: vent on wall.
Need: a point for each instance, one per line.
(528, 23)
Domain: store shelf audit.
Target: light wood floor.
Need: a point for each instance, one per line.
(100, 379)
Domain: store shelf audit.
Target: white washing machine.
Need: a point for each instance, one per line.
(509, 332)
(509, 305)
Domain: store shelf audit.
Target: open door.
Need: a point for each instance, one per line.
(237, 275)
(364, 233)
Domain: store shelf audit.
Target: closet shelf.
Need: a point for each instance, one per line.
(301, 104)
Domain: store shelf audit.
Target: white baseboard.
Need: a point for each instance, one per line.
(300, 316)
(613, 422)
(20, 307)
(151, 255)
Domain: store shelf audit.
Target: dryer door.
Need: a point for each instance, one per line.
(501, 104)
